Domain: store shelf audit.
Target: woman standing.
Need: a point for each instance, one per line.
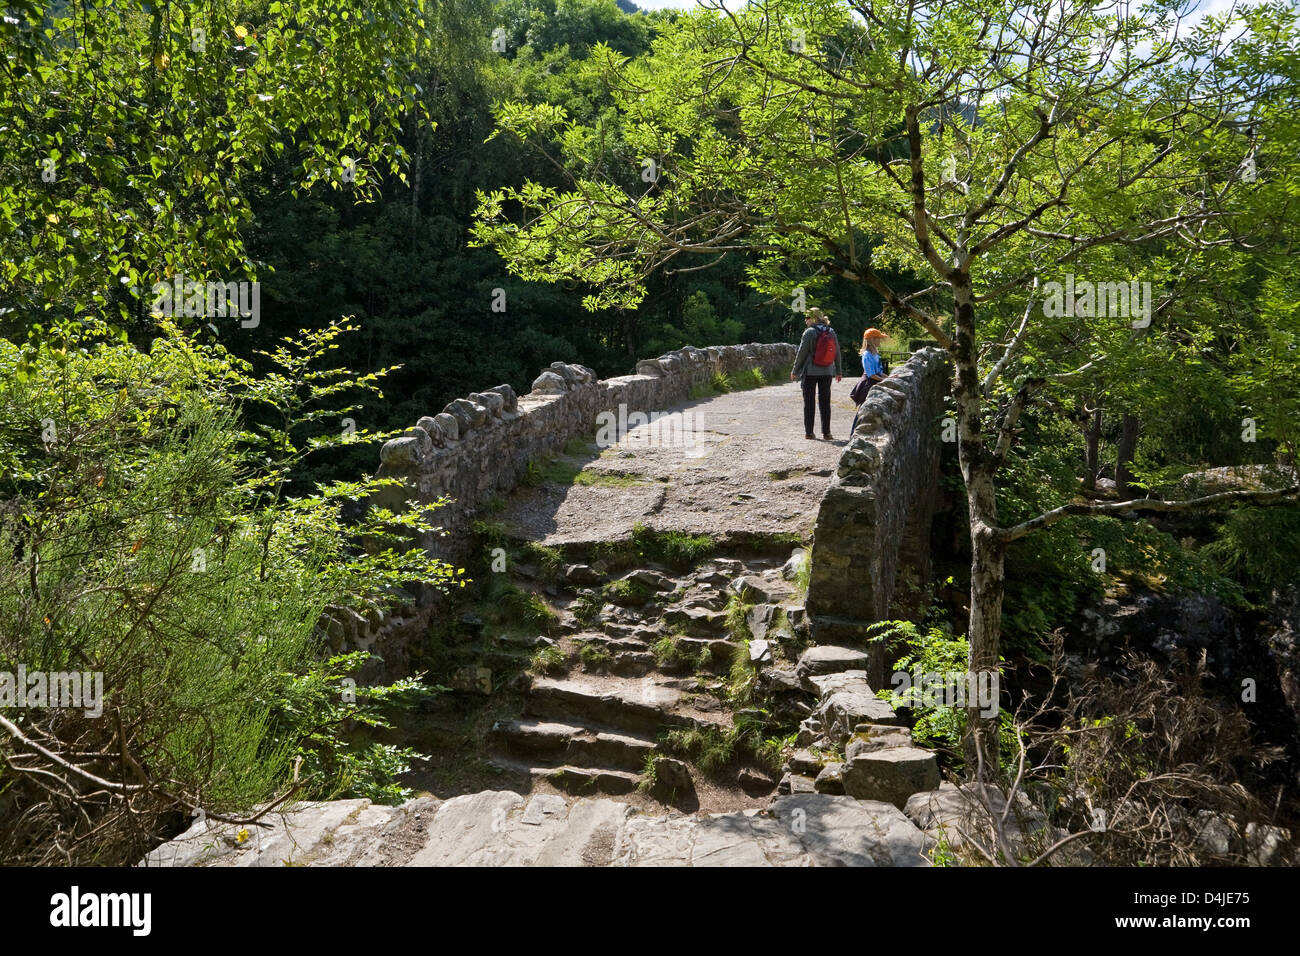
(873, 368)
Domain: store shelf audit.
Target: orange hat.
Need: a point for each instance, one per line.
(873, 334)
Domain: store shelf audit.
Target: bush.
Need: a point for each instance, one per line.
(933, 650)
(153, 543)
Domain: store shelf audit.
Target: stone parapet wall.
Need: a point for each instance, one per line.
(481, 446)
(876, 512)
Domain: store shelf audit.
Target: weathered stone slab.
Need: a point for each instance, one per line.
(847, 700)
(891, 774)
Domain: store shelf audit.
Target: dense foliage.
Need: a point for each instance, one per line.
(180, 501)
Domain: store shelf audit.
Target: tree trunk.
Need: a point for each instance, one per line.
(987, 553)
(1128, 438)
(1092, 442)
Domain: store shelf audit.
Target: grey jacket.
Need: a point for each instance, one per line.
(803, 363)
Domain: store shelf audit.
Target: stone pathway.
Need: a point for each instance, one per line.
(748, 468)
(500, 828)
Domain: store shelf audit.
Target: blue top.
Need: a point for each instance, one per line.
(872, 364)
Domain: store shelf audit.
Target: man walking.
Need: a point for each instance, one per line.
(817, 360)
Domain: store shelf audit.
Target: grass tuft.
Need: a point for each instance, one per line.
(548, 661)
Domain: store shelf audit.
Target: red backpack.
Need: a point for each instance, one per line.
(824, 353)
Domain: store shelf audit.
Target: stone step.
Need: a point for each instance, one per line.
(556, 742)
(697, 620)
(626, 657)
(588, 780)
(644, 705)
(611, 643)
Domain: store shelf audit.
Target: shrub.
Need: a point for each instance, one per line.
(154, 543)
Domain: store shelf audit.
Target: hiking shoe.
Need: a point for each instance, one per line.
(810, 435)
(826, 437)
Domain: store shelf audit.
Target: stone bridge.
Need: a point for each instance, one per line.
(679, 457)
(647, 641)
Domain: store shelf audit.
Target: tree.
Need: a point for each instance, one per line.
(149, 534)
(138, 128)
(987, 148)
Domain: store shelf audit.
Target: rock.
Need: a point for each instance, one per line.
(549, 383)
(295, 838)
(460, 414)
(871, 737)
(569, 373)
(649, 367)
(485, 829)
(432, 429)
(493, 402)
(810, 728)
(704, 598)
(713, 579)
(449, 424)
(793, 567)
(651, 579)
(798, 619)
(472, 678)
(779, 635)
(841, 831)
(1220, 837)
(727, 566)
(953, 814)
(805, 762)
(672, 777)
(580, 574)
(760, 651)
(831, 779)
(469, 414)
(629, 596)
(586, 780)
(779, 679)
(696, 618)
(542, 807)
(892, 774)
(1266, 845)
(755, 783)
(796, 783)
(1234, 478)
(759, 618)
(828, 659)
(753, 588)
(848, 700)
(509, 400)
(401, 452)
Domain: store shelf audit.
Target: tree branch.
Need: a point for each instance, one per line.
(1049, 518)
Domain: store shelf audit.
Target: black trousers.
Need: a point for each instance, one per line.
(820, 386)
